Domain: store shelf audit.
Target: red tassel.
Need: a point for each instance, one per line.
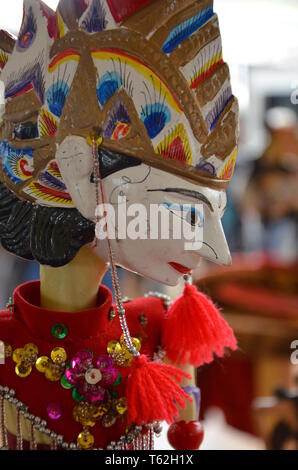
(152, 394)
(194, 330)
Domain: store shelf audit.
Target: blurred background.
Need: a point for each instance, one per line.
(249, 400)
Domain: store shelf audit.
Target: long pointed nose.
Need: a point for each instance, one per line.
(81, 112)
(215, 247)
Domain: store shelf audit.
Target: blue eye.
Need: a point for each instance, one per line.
(192, 215)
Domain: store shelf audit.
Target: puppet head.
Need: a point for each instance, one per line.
(150, 76)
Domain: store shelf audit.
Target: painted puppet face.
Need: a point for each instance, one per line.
(162, 260)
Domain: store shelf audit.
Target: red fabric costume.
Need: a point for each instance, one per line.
(89, 329)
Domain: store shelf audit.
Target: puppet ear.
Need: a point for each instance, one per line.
(7, 43)
(70, 11)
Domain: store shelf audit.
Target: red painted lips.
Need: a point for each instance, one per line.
(180, 268)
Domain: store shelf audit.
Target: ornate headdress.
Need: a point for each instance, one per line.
(150, 74)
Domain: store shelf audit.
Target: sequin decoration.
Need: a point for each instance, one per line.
(116, 409)
(119, 352)
(111, 314)
(85, 440)
(10, 305)
(53, 367)
(25, 359)
(77, 396)
(7, 350)
(90, 382)
(54, 411)
(94, 137)
(87, 414)
(107, 413)
(59, 331)
(91, 385)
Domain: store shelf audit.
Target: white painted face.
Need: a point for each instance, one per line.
(161, 260)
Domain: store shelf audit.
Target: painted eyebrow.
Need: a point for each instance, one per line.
(186, 192)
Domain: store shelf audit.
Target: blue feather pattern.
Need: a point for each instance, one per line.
(51, 181)
(155, 117)
(112, 81)
(107, 87)
(29, 75)
(10, 159)
(183, 31)
(95, 21)
(118, 115)
(218, 107)
(56, 97)
(155, 114)
(28, 32)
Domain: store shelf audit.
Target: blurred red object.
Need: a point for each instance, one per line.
(186, 436)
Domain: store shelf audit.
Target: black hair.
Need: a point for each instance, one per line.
(50, 235)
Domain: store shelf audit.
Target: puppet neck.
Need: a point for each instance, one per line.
(75, 286)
